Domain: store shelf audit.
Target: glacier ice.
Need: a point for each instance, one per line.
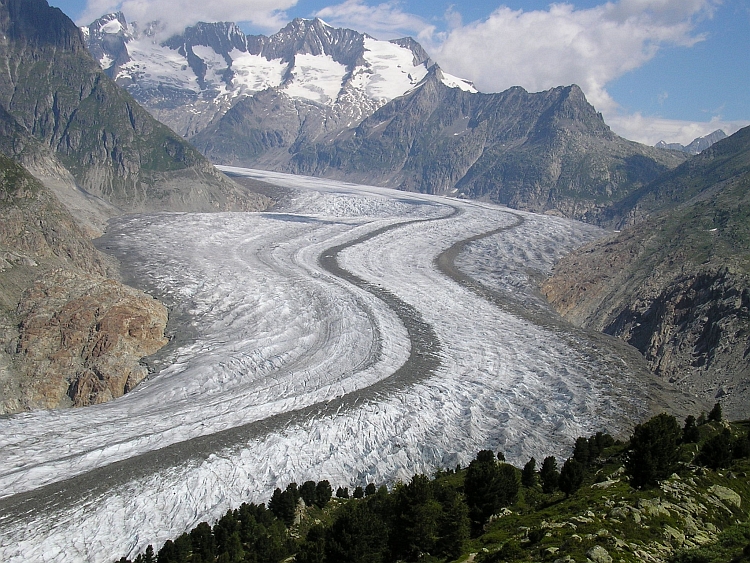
(283, 371)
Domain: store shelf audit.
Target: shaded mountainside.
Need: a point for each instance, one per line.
(677, 285)
(548, 151)
(115, 150)
(68, 335)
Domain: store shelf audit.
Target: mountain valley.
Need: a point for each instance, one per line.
(385, 272)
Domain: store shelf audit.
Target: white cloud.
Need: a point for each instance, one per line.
(175, 15)
(562, 45)
(383, 21)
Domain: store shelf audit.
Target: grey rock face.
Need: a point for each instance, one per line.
(675, 285)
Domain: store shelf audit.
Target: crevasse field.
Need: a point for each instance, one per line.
(345, 336)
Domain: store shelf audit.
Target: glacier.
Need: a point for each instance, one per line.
(344, 336)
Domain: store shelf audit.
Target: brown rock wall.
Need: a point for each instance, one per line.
(81, 338)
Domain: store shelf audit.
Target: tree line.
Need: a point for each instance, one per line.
(430, 519)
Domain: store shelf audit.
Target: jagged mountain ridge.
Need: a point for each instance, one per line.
(114, 149)
(546, 151)
(677, 284)
(697, 145)
(412, 127)
(189, 79)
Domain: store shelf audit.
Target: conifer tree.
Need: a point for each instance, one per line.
(528, 475)
(715, 414)
(653, 450)
(307, 492)
(571, 476)
(690, 432)
(549, 474)
(323, 493)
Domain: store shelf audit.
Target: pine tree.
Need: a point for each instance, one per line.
(323, 493)
(581, 451)
(653, 450)
(717, 452)
(690, 432)
(571, 476)
(549, 474)
(715, 414)
(342, 492)
(307, 492)
(528, 475)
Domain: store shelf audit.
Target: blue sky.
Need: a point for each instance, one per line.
(656, 69)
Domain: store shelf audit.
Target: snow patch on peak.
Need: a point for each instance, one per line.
(454, 82)
(389, 72)
(106, 61)
(112, 27)
(253, 73)
(317, 78)
(153, 64)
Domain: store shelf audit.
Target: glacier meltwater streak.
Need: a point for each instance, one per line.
(319, 341)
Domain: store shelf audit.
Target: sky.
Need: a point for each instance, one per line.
(668, 70)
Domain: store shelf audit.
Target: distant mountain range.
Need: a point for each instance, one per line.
(697, 145)
(210, 66)
(316, 100)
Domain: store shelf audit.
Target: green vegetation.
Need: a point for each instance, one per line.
(681, 511)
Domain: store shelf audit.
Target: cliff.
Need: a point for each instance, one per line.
(677, 284)
(68, 334)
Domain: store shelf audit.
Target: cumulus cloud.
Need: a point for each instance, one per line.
(383, 21)
(175, 15)
(562, 45)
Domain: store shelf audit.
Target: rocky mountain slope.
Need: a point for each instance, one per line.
(68, 334)
(317, 100)
(677, 285)
(114, 149)
(548, 151)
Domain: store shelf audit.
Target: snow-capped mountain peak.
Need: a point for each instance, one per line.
(190, 78)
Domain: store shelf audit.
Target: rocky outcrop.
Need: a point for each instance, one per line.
(677, 284)
(691, 324)
(68, 335)
(81, 338)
